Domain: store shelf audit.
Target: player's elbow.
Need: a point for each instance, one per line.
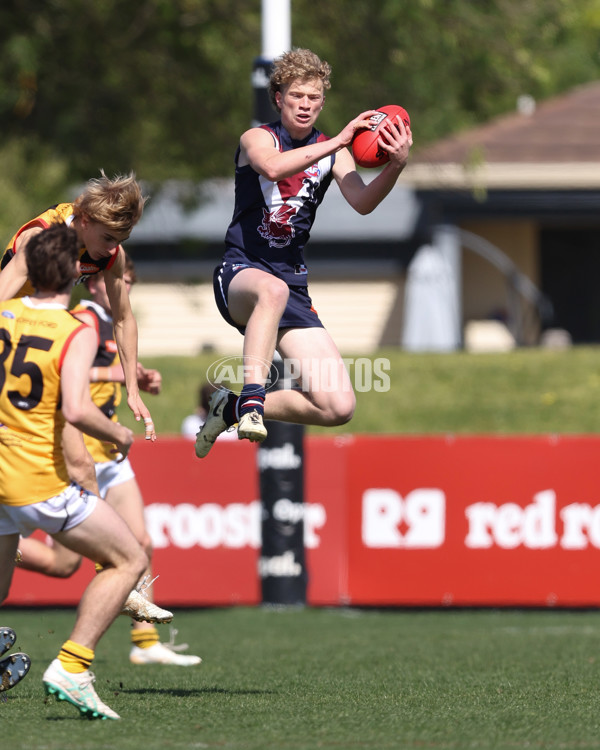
(365, 207)
(272, 175)
(361, 205)
(73, 413)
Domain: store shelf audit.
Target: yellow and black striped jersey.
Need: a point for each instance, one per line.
(106, 395)
(33, 343)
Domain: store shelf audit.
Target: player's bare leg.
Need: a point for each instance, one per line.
(104, 537)
(126, 499)
(326, 396)
(8, 550)
(47, 557)
(257, 300)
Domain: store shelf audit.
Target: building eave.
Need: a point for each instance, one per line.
(502, 176)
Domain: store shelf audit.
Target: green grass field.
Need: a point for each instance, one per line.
(525, 391)
(346, 679)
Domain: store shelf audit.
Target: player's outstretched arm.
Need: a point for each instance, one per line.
(126, 337)
(77, 405)
(258, 149)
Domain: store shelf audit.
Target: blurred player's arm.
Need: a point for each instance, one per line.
(77, 405)
(14, 274)
(148, 380)
(80, 465)
(126, 336)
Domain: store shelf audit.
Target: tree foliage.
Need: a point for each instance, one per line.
(163, 86)
(451, 63)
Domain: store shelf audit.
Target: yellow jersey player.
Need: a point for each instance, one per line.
(45, 358)
(116, 479)
(103, 217)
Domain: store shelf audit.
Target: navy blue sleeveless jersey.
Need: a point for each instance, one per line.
(272, 220)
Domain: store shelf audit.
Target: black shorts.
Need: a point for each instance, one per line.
(299, 312)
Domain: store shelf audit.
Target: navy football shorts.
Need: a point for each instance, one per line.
(299, 312)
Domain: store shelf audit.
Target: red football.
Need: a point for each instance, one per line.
(365, 149)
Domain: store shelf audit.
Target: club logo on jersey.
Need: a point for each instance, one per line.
(89, 268)
(314, 172)
(276, 226)
(7, 314)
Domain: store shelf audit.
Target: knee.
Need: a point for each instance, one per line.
(146, 544)
(274, 293)
(65, 568)
(140, 563)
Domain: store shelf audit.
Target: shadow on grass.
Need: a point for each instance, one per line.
(178, 693)
(78, 717)
(182, 693)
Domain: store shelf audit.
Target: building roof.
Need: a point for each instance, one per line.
(543, 145)
(167, 220)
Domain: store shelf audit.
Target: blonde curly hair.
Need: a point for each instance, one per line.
(297, 64)
(117, 203)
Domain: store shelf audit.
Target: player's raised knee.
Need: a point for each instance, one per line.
(65, 568)
(139, 561)
(147, 545)
(274, 292)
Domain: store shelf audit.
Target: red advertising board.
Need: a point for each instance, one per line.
(388, 521)
(473, 521)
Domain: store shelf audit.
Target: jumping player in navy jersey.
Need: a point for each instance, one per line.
(282, 172)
